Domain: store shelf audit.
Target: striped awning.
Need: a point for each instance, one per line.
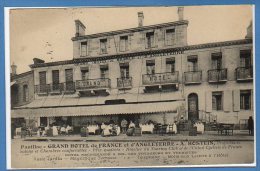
(95, 110)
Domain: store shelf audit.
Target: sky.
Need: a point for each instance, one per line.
(46, 33)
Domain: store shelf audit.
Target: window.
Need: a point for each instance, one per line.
(103, 46)
(124, 70)
(84, 49)
(217, 101)
(42, 77)
(170, 37)
(192, 63)
(69, 79)
(104, 71)
(84, 73)
(216, 60)
(150, 67)
(170, 65)
(42, 81)
(245, 58)
(150, 40)
(25, 93)
(245, 99)
(55, 80)
(123, 43)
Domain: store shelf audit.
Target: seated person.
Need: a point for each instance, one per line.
(68, 130)
(62, 130)
(131, 125)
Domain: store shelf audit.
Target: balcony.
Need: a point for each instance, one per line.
(69, 87)
(56, 88)
(244, 74)
(43, 89)
(192, 77)
(124, 83)
(217, 75)
(93, 84)
(161, 78)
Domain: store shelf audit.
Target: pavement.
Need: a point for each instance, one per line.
(238, 135)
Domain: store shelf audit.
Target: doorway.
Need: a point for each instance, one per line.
(193, 109)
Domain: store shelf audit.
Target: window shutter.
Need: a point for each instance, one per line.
(236, 100)
(227, 100)
(164, 37)
(155, 39)
(208, 101)
(129, 42)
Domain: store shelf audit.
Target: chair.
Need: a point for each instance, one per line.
(171, 132)
(163, 129)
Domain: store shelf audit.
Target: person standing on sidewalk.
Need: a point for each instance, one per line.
(251, 125)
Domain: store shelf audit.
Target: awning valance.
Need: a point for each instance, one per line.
(137, 108)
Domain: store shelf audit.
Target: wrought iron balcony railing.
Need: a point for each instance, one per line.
(92, 84)
(124, 82)
(192, 77)
(56, 88)
(244, 73)
(42, 89)
(69, 86)
(217, 75)
(161, 78)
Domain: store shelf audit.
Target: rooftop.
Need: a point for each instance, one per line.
(131, 30)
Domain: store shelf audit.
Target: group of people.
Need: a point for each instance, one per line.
(53, 130)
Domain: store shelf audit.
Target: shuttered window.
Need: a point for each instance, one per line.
(84, 73)
(124, 70)
(55, 77)
(69, 79)
(192, 63)
(150, 66)
(25, 93)
(245, 99)
(84, 49)
(245, 58)
(150, 40)
(69, 75)
(42, 77)
(55, 80)
(104, 71)
(169, 39)
(216, 59)
(217, 101)
(170, 65)
(103, 46)
(123, 43)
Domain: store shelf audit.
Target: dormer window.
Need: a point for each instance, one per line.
(149, 39)
(123, 43)
(169, 37)
(103, 46)
(84, 48)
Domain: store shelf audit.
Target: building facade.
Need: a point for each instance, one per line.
(147, 73)
(22, 92)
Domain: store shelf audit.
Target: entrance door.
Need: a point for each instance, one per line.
(193, 112)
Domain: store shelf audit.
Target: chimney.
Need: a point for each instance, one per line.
(80, 28)
(13, 68)
(140, 19)
(249, 34)
(180, 13)
(38, 61)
